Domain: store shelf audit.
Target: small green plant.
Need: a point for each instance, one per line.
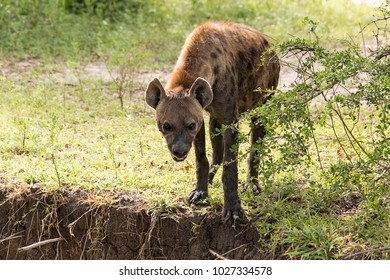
(54, 129)
(110, 138)
(123, 64)
(121, 69)
(23, 125)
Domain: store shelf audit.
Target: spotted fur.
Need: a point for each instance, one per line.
(224, 68)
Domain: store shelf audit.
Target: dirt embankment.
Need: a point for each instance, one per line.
(71, 225)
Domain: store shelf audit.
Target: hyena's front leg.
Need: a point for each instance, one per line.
(202, 168)
(217, 145)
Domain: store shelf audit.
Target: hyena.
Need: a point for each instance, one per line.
(226, 69)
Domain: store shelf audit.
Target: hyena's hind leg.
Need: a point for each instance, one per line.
(256, 139)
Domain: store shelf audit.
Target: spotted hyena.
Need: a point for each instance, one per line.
(224, 68)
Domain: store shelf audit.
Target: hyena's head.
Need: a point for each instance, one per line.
(179, 113)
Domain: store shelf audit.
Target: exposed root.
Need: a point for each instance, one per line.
(146, 245)
(218, 256)
(39, 244)
(234, 249)
(72, 224)
(12, 236)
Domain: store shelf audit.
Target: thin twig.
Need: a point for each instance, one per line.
(12, 236)
(39, 244)
(352, 135)
(382, 54)
(5, 201)
(232, 250)
(346, 130)
(315, 140)
(338, 139)
(219, 256)
(71, 225)
(383, 174)
(365, 252)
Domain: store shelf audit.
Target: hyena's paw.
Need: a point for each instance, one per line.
(233, 213)
(196, 196)
(252, 187)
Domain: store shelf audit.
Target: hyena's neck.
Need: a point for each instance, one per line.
(180, 79)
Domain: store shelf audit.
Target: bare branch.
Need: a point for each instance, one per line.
(382, 54)
(219, 256)
(12, 236)
(348, 257)
(41, 243)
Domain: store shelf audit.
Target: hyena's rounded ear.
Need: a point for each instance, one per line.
(154, 93)
(201, 90)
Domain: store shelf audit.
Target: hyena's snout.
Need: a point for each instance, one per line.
(179, 151)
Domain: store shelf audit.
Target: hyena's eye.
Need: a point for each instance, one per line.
(191, 126)
(167, 127)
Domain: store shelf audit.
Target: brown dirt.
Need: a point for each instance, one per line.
(77, 226)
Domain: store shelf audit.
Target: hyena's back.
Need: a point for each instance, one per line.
(236, 60)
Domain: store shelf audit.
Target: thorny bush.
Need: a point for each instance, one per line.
(342, 91)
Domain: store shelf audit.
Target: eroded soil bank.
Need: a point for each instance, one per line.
(75, 225)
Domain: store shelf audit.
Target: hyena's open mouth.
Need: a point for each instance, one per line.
(179, 159)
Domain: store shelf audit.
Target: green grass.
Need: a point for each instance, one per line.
(62, 130)
(95, 144)
(46, 29)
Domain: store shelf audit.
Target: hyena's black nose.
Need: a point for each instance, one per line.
(179, 154)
